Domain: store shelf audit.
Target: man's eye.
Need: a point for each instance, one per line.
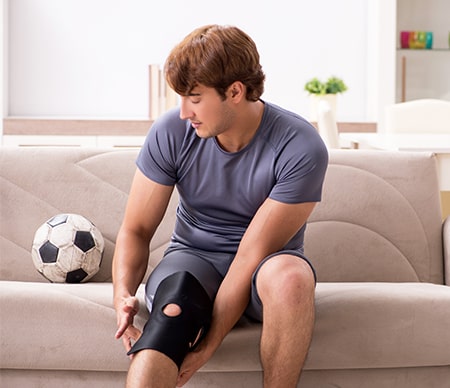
(195, 101)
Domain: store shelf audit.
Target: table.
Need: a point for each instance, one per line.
(439, 144)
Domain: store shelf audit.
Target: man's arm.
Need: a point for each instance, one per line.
(272, 227)
(147, 203)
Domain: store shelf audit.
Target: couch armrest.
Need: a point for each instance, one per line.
(446, 243)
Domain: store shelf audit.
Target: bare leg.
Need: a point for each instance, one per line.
(152, 369)
(286, 287)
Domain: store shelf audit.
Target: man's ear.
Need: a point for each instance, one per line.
(236, 90)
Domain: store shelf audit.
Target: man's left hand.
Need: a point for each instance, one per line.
(192, 362)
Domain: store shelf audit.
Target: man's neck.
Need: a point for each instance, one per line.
(245, 128)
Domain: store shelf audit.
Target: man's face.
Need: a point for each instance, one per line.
(209, 115)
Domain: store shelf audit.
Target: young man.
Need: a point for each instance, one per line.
(248, 174)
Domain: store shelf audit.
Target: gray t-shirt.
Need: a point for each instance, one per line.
(221, 191)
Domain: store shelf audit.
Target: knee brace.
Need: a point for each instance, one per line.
(175, 336)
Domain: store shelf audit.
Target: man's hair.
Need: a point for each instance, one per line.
(215, 56)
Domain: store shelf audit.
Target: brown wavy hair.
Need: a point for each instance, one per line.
(215, 56)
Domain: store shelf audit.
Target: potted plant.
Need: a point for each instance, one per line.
(324, 90)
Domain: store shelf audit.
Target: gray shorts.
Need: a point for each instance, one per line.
(209, 268)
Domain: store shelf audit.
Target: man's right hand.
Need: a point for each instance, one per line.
(126, 309)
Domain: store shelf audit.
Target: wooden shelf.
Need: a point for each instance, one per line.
(109, 127)
(75, 127)
(364, 127)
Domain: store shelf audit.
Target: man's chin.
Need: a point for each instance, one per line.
(202, 134)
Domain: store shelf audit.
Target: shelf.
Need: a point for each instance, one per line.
(19, 126)
(75, 127)
(357, 127)
(72, 141)
(422, 73)
(424, 50)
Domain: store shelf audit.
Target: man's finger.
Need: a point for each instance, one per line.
(123, 324)
(133, 332)
(183, 378)
(119, 332)
(130, 334)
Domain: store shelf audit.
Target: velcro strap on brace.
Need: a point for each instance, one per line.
(176, 336)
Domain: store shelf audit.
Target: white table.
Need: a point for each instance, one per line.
(439, 144)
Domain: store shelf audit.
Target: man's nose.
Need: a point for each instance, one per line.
(185, 111)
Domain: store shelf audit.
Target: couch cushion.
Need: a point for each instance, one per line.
(358, 325)
(59, 326)
(362, 325)
(376, 325)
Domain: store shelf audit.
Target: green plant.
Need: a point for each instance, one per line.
(333, 85)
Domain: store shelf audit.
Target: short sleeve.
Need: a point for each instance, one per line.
(300, 168)
(158, 156)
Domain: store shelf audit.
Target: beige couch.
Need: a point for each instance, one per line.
(383, 309)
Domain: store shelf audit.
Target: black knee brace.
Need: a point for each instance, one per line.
(176, 336)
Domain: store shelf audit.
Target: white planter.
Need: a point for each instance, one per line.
(314, 101)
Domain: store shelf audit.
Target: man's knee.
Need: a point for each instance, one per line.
(172, 310)
(181, 313)
(285, 277)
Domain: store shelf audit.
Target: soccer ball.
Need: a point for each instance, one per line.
(68, 248)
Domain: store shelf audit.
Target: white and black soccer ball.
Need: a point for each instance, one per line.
(68, 248)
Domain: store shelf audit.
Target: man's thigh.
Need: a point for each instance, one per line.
(182, 259)
(255, 308)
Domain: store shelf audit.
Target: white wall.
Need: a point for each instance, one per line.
(3, 70)
(90, 57)
(380, 74)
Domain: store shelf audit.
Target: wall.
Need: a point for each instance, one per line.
(3, 75)
(89, 58)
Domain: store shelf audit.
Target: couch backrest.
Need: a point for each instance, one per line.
(379, 219)
(38, 183)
